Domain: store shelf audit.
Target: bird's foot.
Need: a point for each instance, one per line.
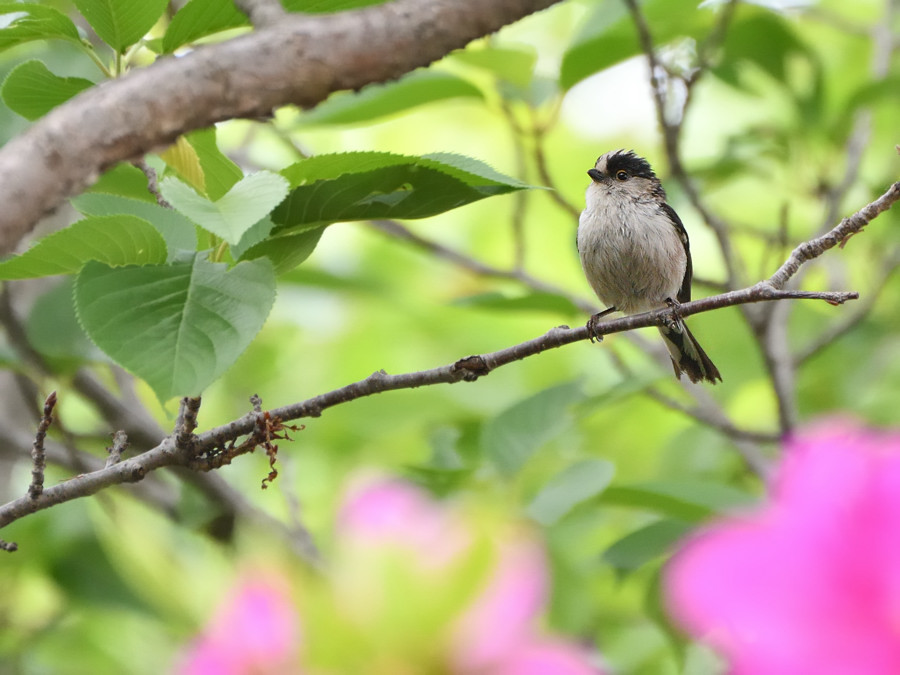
(593, 324)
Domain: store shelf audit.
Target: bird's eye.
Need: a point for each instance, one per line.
(621, 175)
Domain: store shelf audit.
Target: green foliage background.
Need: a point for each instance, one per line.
(567, 439)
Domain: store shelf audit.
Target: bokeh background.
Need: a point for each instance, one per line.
(786, 119)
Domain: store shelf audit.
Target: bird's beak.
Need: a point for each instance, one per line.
(595, 175)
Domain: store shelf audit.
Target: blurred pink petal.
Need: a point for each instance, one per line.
(254, 632)
(811, 583)
(546, 658)
(502, 616)
(393, 513)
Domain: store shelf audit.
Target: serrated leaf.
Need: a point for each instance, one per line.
(179, 327)
(366, 185)
(200, 18)
(115, 240)
(380, 100)
(286, 251)
(609, 36)
(220, 174)
(512, 65)
(24, 23)
(121, 23)
(513, 436)
(648, 543)
(183, 159)
(229, 217)
(125, 180)
(572, 486)
(179, 232)
(32, 91)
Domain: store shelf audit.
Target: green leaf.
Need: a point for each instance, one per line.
(366, 185)
(220, 173)
(513, 436)
(125, 180)
(646, 544)
(380, 100)
(179, 327)
(197, 159)
(53, 329)
(529, 302)
(200, 18)
(229, 217)
(572, 486)
(322, 6)
(609, 36)
(744, 46)
(25, 23)
(114, 240)
(121, 23)
(179, 232)
(692, 501)
(512, 65)
(32, 91)
(286, 251)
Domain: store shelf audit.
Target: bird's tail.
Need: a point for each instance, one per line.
(687, 355)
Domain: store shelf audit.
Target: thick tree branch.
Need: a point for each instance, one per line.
(300, 60)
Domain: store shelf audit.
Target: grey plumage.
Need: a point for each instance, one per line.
(636, 254)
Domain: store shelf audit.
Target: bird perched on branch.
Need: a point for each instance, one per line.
(636, 255)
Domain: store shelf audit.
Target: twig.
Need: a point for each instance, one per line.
(167, 453)
(120, 445)
(186, 422)
(152, 181)
(38, 458)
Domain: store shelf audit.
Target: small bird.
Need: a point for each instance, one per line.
(636, 255)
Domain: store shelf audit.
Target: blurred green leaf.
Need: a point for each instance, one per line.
(121, 23)
(367, 185)
(572, 486)
(529, 302)
(196, 158)
(27, 22)
(32, 90)
(285, 251)
(684, 500)
(125, 180)
(510, 64)
(115, 240)
(53, 330)
(379, 100)
(179, 232)
(179, 327)
(744, 46)
(231, 215)
(200, 18)
(646, 544)
(609, 35)
(513, 436)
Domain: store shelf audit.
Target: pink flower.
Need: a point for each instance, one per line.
(496, 633)
(255, 632)
(811, 583)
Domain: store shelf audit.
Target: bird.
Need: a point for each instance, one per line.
(636, 255)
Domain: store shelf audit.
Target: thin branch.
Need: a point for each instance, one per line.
(120, 445)
(186, 422)
(299, 60)
(152, 181)
(38, 458)
(221, 441)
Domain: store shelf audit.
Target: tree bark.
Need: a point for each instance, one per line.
(301, 60)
